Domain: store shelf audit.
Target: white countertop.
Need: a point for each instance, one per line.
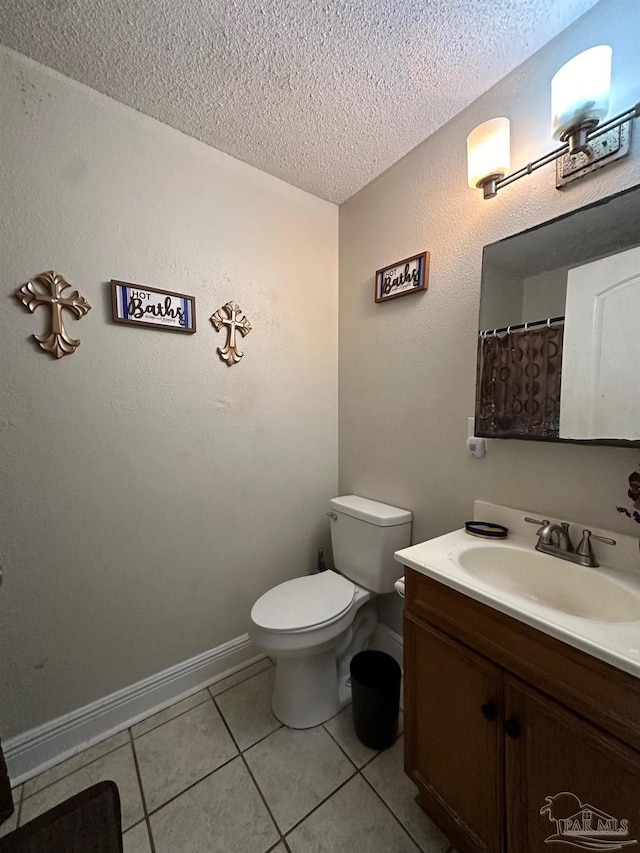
(616, 643)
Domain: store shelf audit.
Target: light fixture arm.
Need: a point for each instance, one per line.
(578, 140)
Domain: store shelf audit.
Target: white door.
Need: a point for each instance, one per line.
(600, 394)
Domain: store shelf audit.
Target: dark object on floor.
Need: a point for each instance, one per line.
(89, 822)
(486, 529)
(6, 799)
(375, 693)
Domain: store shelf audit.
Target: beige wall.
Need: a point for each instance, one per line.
(407, 368)
(149, 493)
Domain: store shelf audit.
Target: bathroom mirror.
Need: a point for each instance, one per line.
(559, 330)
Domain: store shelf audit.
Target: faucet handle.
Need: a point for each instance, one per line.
(584, 548)
(543, 531)
(604, 539)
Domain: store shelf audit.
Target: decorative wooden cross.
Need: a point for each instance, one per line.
(231, 315)
(47, 289)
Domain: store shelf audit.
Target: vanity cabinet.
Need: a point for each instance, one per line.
(501, 718)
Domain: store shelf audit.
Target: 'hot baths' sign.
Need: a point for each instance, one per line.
(408, 276)
(145, 306)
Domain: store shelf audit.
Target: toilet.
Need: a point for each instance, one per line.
(313, 625)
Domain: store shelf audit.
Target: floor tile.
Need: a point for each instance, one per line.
(11, 823)
(182, 751)
(241, 675)
(169, 713)
(341, 729)
(387, 776)
(296, 770)
(247, 709)
(136, 840)
(117, 765)
(353, 819)
(222, 814)
(75, 762)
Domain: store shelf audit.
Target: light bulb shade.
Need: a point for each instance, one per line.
(488, 150)
(580, 90)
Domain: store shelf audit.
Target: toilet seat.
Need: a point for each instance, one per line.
(304, 603)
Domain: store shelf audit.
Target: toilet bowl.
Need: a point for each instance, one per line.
(313, 625)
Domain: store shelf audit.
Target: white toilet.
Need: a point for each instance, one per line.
(313, 625)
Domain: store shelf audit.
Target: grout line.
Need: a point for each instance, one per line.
(211, 772)
(282, 837)
(142, 796)
(242, 680)
(339, 745)
(205, 689)
(246, 764)
(181, 714)
(71, 772)
(262, 797)
(322, 802)
(19, 806)
(192, 785)
(391, 812)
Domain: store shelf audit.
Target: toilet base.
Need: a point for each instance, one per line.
(305, 693)
(310, 690)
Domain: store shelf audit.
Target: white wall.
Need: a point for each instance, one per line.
(149, 493)
(408, 367)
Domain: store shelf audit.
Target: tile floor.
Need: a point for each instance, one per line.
(217, 773)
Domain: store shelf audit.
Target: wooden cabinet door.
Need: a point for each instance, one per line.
(454, 737)
(569, 785)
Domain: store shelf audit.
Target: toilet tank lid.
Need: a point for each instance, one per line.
(372, 511)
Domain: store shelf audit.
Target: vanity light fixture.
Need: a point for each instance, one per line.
(579, 101)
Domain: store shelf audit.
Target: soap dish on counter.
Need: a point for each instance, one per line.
(486, 529)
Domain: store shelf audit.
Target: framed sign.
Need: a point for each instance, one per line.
(408, 276)
(138, 305)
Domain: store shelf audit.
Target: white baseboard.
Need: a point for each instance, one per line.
(33, 751)
(386, 640)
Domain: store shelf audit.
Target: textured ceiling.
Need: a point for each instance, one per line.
(325, 94)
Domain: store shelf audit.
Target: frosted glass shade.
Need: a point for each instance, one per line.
(580, 90)
(488, 150)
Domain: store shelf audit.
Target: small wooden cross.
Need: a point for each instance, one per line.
(47, 289)
(231, 315)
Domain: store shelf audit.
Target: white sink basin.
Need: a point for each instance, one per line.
(595, 610)
(559, 584)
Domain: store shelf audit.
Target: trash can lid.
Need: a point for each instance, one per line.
(304, 602)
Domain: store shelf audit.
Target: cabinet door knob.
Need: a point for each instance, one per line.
(512, 727)
(489, 711)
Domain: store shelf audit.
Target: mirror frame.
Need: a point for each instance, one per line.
(574, 261)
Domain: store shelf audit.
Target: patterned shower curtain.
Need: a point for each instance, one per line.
(519, 383)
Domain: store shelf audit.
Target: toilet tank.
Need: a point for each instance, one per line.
(364, 536)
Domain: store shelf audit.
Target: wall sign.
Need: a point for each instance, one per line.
(408, 276)
(49, 289)
(138, 305)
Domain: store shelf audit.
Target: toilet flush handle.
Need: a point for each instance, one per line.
(332, 516)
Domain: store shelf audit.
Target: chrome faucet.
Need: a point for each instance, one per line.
(555, 539)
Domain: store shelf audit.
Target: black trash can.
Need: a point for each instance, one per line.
(375, 692)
